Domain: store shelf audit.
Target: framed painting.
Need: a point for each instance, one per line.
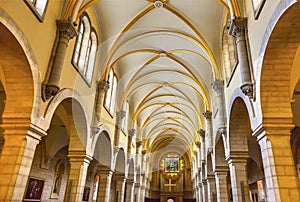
(171, 165)
(257, 7)
(34, 189)
(86, 193)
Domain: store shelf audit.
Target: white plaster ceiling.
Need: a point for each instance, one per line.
(165, 59)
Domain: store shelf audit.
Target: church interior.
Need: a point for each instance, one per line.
(150, 100)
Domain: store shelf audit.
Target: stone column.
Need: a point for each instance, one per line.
(239, 176)
(238, 29)
(221, 185)
(196, 193)
(129, 191)
(200, 192)
(218, 86)
(209, 134)
(204, 190)
(143, 193)
(79, 163)
(137, 191)
(279, 168)
(211, 188)
(65, 32)
(202, 139)
(120, 186)
(17, 156)
(104, 185)
(120, 116)
(131, 133)
(101, 90)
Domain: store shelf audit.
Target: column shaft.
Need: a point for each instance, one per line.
(221, 186)
(16, 158)
(79, 163)
(211, 188)
(239, 179)
(104, 185)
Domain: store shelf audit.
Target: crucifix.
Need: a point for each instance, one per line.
(170, 185)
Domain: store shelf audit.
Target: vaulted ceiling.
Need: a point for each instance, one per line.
(166, 54)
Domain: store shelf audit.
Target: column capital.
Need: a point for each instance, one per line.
(222, 131)
(237, 26)
(139, 143)
(218, 85)
(237, 157)
(198, 144)
(66, 29)
(201, 133)
(144, 152)
(207, 115)
(121, 114)
(103, 85)
(131, 132)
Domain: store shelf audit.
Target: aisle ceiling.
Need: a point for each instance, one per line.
(166, 55)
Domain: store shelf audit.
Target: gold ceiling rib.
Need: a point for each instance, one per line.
(182, 113)
(167, 112)
(127, 27)
(125, 96)
(85, 7)
(168, 126)
(134, 79)
(179, 15)
(144, 101)
(171, 95)
(162, 32)
(163, 135)
(176, 119)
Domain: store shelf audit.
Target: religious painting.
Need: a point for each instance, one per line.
(257, 7)
(34, 189)
(172, 165)
(86, 194)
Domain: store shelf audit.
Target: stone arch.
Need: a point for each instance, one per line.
(19, 77)
(131, 171)
(103, 150)
(239, 127)
(29, 75)
(72, 102)
(275, 64)
(239, 136)
(221, 170)
(120, 162)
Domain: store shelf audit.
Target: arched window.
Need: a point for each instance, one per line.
(60, 168)
(85, 49)
(38, 7)
(110, 98)
(125, 120)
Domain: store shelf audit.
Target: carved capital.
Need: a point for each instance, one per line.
(201, 133)
(218, 85)
(103, 86)
(121, 115)
(144, 152)
(247, 89)
(207, 115)
(131, 132)
(139, 143)
(48, 91)
(198, 144)
(66, 29)
(237, 27)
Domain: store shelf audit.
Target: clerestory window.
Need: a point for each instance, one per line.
(110, 98)
(84, 55)
(38, 7)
